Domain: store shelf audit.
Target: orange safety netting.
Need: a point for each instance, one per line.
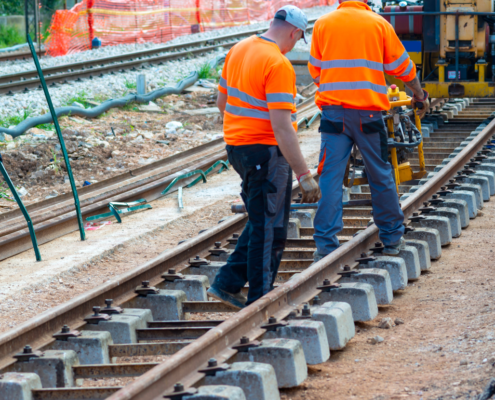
(158, 21)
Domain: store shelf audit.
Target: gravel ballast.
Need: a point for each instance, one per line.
(115, 86)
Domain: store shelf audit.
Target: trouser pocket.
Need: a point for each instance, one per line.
(332, 120)
(270, 194)
(371, 122)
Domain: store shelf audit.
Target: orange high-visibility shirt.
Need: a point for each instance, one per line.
(256, 77)
(351, 48)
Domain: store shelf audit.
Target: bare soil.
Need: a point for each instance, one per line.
(446, 347)
(109, 145)
(25, 304)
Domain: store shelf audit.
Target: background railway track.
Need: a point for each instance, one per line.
(28, 80)
(189, 344)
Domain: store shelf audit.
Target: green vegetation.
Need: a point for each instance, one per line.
(14, 119)
(5, 192)
(81, 97)
(130, 84)
(207, 72)
(55, 162)
(10, 36)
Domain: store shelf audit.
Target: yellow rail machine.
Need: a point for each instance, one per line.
(452, 43)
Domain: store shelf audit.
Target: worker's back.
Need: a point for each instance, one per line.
(256, 77)
(351, 48)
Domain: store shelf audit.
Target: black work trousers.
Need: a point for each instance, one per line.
(266, 192)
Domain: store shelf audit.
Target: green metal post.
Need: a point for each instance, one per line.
(23, 209)
(60, 138)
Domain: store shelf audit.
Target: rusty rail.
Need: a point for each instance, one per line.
(216, 343)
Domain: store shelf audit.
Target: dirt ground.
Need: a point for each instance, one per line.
(444, 350)
(446, 347)
(109, 145)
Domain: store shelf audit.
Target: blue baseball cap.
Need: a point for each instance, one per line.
(294, 16)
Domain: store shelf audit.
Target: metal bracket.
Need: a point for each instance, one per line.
(66, 333)
(327, 286)
(416, 217)
(272, 324)
(184, 176)
(365, 258)
(179, 392)
(145, 289)
(27, 354)
(217, 250)
(197, 261)
(116, 212)
(213, 368)
(109, 309)
(224, 165)
(97, 317)
(378, 248)
(172, 276)
(246, 344)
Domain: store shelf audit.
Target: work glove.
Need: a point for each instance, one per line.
(422, 105)
(309, 188)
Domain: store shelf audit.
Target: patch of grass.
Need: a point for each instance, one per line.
(130, 107)
(80, 97)
(55, 162)
(46, 127)
(5, 191)
(10, 36)
(207, 72)
(130, 84)
(14, 119)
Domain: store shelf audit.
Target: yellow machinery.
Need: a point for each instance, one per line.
(452, 43)
(397, 118)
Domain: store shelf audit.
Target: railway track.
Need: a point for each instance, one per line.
(28, 80)
(19, 55)
(187, 333)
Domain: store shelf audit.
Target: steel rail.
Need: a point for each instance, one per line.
(65, 223)
(217, 342)
(91, 68)
(22, 55)
(38, 331)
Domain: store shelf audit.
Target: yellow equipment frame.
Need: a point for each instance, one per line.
(402, 172)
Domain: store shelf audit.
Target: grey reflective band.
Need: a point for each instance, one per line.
(314, 62)
(357, 63)
(280, 98)
(408, 69)
(246, 98)
(223, 83)
(250, 113)
(359, 85)
(397, 63)
(317, 80)
(247, 112)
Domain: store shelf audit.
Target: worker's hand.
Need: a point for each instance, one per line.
(309, 188)
(422, 105)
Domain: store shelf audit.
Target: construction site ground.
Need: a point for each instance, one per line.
(445, 349)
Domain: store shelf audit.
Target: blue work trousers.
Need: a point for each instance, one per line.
(266, 192)
(341, 128)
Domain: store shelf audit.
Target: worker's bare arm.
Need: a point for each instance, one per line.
(287, 140)
(415, 86)
(221, 102)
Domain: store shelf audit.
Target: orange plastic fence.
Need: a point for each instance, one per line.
(158, 21)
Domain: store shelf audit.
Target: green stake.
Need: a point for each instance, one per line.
(60, 138)
(23, 209)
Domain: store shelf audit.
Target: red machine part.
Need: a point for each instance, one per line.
(407, 23)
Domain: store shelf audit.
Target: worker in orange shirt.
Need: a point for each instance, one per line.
(351, 49)
(257, 100)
